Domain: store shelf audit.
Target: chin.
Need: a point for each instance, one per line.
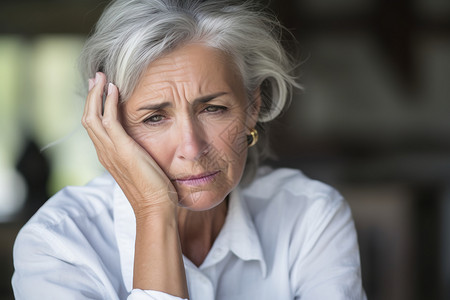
(201, 200)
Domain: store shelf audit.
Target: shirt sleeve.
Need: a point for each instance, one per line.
(137, 294)
(45, 268)
(326, 264)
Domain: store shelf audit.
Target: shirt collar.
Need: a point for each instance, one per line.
(238, 234)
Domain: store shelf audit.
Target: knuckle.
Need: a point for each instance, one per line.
(88, 121)
(106, 123)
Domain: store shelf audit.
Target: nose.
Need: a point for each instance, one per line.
(192, 140)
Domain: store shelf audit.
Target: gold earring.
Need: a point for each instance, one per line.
(252, 138)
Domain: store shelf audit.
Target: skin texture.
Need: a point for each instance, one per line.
(198, 136)
(177, 147)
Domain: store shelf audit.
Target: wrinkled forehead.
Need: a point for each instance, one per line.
(194, 65)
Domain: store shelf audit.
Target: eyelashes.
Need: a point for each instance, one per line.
(215, 108)
(154, 119)
(160, 118)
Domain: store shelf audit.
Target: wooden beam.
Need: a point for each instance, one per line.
(49, 17)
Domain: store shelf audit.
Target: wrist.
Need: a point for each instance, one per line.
(156, 214)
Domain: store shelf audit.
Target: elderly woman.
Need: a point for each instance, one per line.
(177, 93)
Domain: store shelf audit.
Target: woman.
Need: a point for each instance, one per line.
(183, 211)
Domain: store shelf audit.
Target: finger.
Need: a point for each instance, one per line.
(91, 83)
(93, 105)
(110, 116)
(114, 128)
(95, 140)
(92, 119)
(103, 151)
(97, 133)
(94, 100)
(111, 102)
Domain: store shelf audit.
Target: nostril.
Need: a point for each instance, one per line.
(190, 146)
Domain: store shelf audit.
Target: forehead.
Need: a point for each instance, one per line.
(194, 65)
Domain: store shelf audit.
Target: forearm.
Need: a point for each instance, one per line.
(158, 263)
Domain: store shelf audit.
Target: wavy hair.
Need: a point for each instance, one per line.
(131, 34)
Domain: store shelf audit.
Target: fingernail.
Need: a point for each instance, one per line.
(110, 88)
(97, 77)
(91, 84)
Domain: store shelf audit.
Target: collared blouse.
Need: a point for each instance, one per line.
(285, 237)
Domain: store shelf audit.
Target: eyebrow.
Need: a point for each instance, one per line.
(208, 98)
(156, 106)
(203, 99)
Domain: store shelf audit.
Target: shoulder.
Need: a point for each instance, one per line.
(289, 201)
(307, 226)
(69, 244)
(77, 202)
(76, 216)
(289, 189)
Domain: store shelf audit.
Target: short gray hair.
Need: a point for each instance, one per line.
(132, 33)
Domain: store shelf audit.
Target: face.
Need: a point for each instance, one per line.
(191, 113)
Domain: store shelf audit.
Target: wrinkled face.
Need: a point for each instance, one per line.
(191, 113)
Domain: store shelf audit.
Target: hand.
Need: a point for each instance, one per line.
(146, 186)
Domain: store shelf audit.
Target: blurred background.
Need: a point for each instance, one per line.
(373, 121)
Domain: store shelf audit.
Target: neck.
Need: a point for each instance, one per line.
(199, 229)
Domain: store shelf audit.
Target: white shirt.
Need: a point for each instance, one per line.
(284, 237)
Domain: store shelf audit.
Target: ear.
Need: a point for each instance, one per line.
(253, 108)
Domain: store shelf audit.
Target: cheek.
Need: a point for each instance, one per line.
(230, 147)
(152, 144)
(232, 139)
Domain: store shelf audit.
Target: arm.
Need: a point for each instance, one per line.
(158, 260)
(52, 264)
(326, 264)
(46, 267)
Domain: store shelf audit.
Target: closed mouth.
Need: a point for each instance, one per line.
(198, 179)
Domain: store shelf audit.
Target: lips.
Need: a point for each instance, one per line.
(198, 179)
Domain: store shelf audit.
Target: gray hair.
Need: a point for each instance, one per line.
(132, 33)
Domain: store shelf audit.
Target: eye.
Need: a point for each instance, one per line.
(154, 119)
(215, 108)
